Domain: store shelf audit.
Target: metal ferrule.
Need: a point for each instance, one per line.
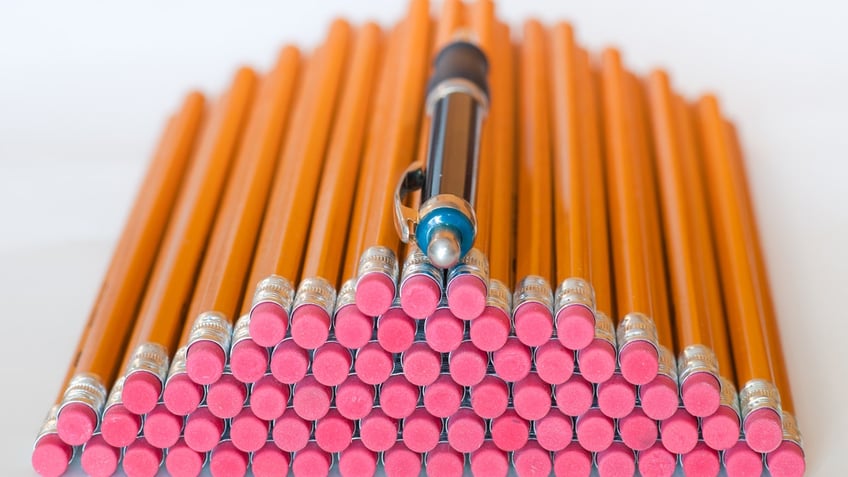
(378, 259)
(178, 364)
(758, 394)
(533, 289)
(48, 425)
(791, 432)
(85, 388)
(667, 365)
(694, 359)
(315, 291)
(241, 330)
(347, 294)
(116, 396)
(499, 296)
(417, 263)
(574, 291)
(274, 289)
(604, 329)
(474, 263)
(636, 327)
(211, 326)
(150, 358)
(728, 396)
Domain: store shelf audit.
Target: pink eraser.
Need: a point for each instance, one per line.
(99, 459)
(227, 461)
(574, 397)
(203, 430)
(289, 362)
(182, 395)
(248, 361)
(616, 460)
(357, 461)
(490, 397)
(333, 432)
(373, 364)
(419, 296)
(467, 364)
(594, 430)
(763, 430)
(311, 399)
(291, 432)
(639, 362)
(443, 331)
(119, 426)
(374, 293)
(490, 330)
(248, 432)
(354, 399)
(701, 394)
(554, 431)
(162, 427)
(268, 398)
(659, 398)
(575, 326)
(76, 423)
(597, 361)
(421, 364)
(488, 460)
(444, 462)
(721, 430)
(311, 461)
(679, 432)
(142, 459)
(573, 461)
(225, 398)
(554, 363)
(268, 324)
(701, 461)
(466, 430)
(183, 461)
(616, 397)
(533, 323)
(512, 362)
(331, 364)
(786, 461)
(467, 296)
(378, 431)
(205, 362)
(532, 460)
(141, 392)
(443, 396)
(51, 456)
(352, 328)
(657, 461)
(421, 431)
(740, 460)
(399, 461)
(270, 461)
(398, 397)
(509, 431)
(395, 330)
(531, 397)
(310, 326)
(638, 431)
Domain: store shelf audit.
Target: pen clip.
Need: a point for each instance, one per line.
(406, 218)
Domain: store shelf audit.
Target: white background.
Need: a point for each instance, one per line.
(86, 86)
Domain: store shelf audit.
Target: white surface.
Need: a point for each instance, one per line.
(86, 86)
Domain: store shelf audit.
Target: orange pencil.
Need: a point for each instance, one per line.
(378, 268)
(533, 298)
(133, 258)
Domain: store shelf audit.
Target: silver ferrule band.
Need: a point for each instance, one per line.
(87, 389)
(574, 291)
(211, 326)
(346, 295)
(178, 364)
(48, 425)
(791, 432)
(149, 358)
(758, 394)
(474, 263)
(694, 359)
(728, 396)
(499, 296)
(241, 330)
(274, 289)
(378, 259)
(604, 328)
(533, 289)
(636, 326)
(315, 291)
(417, 264)
(116, 395)
(666, 363)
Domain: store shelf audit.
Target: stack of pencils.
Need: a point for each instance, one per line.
(261, 311)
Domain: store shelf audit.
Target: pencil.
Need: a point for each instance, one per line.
(377, 272)
(489, 331)
(314, 302)
(532, 315)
